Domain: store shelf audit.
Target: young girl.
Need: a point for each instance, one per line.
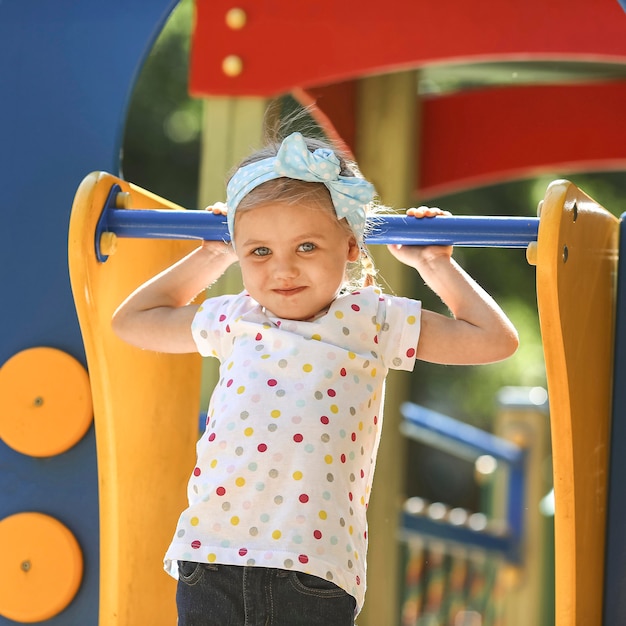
(276, 531)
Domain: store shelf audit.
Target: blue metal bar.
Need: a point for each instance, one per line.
(459, 438)
(506, 545)
(468, 442)
(469, 231)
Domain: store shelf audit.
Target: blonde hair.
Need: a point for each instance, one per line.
(362, 272)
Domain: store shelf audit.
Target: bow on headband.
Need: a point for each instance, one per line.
(294, 160)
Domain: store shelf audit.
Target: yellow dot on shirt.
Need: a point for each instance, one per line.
(339, 314)
(276, 534)
(297, 475)
(194, 521)
(241, 389)
(373, 372)
(360, 425)
(213, 464)
(307, 367)
(240, 482)
(275, 413)
(323, 515)
(410, 319)
(316, 337)
(211, 558)
(334, 408)
(248, 431)
(234, 520)
(328, 459)
(351, 355)
(351, 530)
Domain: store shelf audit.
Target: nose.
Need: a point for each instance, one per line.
(285, 267)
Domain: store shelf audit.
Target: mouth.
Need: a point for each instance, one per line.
(291, 291)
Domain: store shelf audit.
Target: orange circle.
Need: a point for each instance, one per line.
(42, 566)
(45, 402)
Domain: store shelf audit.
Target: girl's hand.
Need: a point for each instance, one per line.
(217, 208)
(414, 256)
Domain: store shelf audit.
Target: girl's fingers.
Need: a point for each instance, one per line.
(217, 208)
(425, 211)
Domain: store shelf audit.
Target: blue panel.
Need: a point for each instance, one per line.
(67, 68)
(615, 572)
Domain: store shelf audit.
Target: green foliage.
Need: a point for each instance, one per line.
(161, 147)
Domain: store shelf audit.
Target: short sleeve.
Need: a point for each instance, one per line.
(399, 331)
(210, 326)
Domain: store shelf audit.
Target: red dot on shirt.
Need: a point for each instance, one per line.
(355, 307)
(324, 419)
(353, 436)
(375, 419)
(303, 558)
(197, 471)
(220, 491)
(343, 458)
(212, 437)
(230, 382)
(332, 393)
(227, 328)
(243, 551)
(298, 438)
(350, 496)
(195, 544)
(259, 336)
(317, 534)
(262, 447)
(410, 352)
(222, 317)
(375, 338)
(272, 382)
(358, 580)
(342, 371)
(303, 498)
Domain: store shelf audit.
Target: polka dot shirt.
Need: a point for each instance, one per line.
(285, 466)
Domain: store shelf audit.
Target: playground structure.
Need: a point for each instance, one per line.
(576, 255)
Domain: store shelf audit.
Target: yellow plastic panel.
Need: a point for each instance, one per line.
(576, 269)
(146, 408)
(42, 566)
(45, 402)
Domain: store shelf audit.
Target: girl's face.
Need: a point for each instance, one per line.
(293, 257)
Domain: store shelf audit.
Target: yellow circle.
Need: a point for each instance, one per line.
(232, 65)
(45, 402)
(42, 566)
(236, 18)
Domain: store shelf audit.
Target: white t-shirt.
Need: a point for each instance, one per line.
(285, 467)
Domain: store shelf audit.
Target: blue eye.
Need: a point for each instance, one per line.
(262, 251)
(307, 247)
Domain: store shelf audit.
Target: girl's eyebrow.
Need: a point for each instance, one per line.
(318, 235)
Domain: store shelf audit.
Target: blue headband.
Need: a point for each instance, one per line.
(294, 160)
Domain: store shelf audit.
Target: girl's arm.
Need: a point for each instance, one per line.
(157, 316)
(479, 331)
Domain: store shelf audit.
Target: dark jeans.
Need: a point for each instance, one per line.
(229, 595)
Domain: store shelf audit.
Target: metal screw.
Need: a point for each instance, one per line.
(25, 566)
(38, 401)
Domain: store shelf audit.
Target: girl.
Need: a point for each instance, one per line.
(276, 532)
